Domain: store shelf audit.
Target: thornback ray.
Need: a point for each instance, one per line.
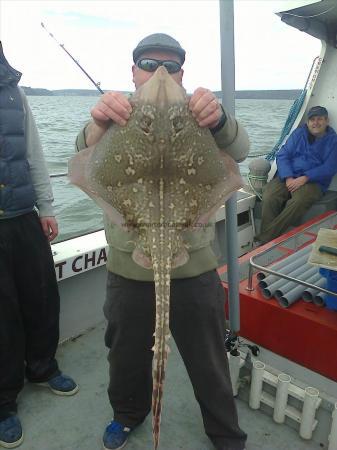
(78, 173)
(158, 177)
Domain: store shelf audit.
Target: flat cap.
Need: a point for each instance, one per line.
(159, 41)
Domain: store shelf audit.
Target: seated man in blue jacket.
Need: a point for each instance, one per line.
(305, 166)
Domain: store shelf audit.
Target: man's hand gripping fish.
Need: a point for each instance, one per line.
(158, 176)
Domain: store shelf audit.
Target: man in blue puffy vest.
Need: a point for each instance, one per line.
(29, 298)
(305, 166)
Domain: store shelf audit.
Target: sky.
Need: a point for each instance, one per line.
(101, 35)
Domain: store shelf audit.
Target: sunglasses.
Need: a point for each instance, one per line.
(151, 65)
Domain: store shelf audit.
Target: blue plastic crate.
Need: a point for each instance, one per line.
(331, 284)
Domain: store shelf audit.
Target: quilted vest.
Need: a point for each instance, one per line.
(17, 194)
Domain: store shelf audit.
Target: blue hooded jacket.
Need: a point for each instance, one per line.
(317, 160)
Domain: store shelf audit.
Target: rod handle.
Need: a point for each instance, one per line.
(329, 250)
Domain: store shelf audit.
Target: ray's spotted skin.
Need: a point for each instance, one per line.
(158, 176)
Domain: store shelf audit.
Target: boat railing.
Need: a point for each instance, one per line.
(61, 175)
(330, 221)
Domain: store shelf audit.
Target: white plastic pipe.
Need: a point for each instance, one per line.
(307, 297)
(310, 273)
(295, 294)
(289, 286)
(285, 261)
(256, 384)
(333, 433)
(319, 300)
(308, 412)
(281, 399)
(310, 292)
(234, 370)
(270, 288)
(285, 269)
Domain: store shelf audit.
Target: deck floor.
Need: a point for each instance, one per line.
(77, 423)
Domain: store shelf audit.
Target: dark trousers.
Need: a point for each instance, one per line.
(281, 209)
(197, 325)
(29, 308)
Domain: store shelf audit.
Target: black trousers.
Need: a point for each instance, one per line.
(197, 325)
(29, 308)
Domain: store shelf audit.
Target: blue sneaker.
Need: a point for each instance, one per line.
(10, 432)
(115, 436)
(61, 385)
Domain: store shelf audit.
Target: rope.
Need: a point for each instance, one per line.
(293, 113)
(256, 177)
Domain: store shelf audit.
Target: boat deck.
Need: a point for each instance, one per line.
(77, 423)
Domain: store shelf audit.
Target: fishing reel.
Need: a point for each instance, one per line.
(233, 343)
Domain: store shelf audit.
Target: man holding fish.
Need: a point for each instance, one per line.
(194, 295)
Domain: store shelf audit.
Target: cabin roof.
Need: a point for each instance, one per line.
(318, 19)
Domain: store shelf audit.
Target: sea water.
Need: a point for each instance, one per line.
(60, 118)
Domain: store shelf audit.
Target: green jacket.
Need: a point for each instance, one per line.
(231, 138)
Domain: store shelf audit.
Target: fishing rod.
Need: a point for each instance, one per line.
(76, 62)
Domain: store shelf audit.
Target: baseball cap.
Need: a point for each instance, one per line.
(159, 41)
(317, 111)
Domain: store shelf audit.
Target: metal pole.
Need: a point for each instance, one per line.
(228, 100)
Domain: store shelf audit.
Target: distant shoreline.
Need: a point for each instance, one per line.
(286, 94)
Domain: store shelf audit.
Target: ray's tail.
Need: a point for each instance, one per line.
(161, 254)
